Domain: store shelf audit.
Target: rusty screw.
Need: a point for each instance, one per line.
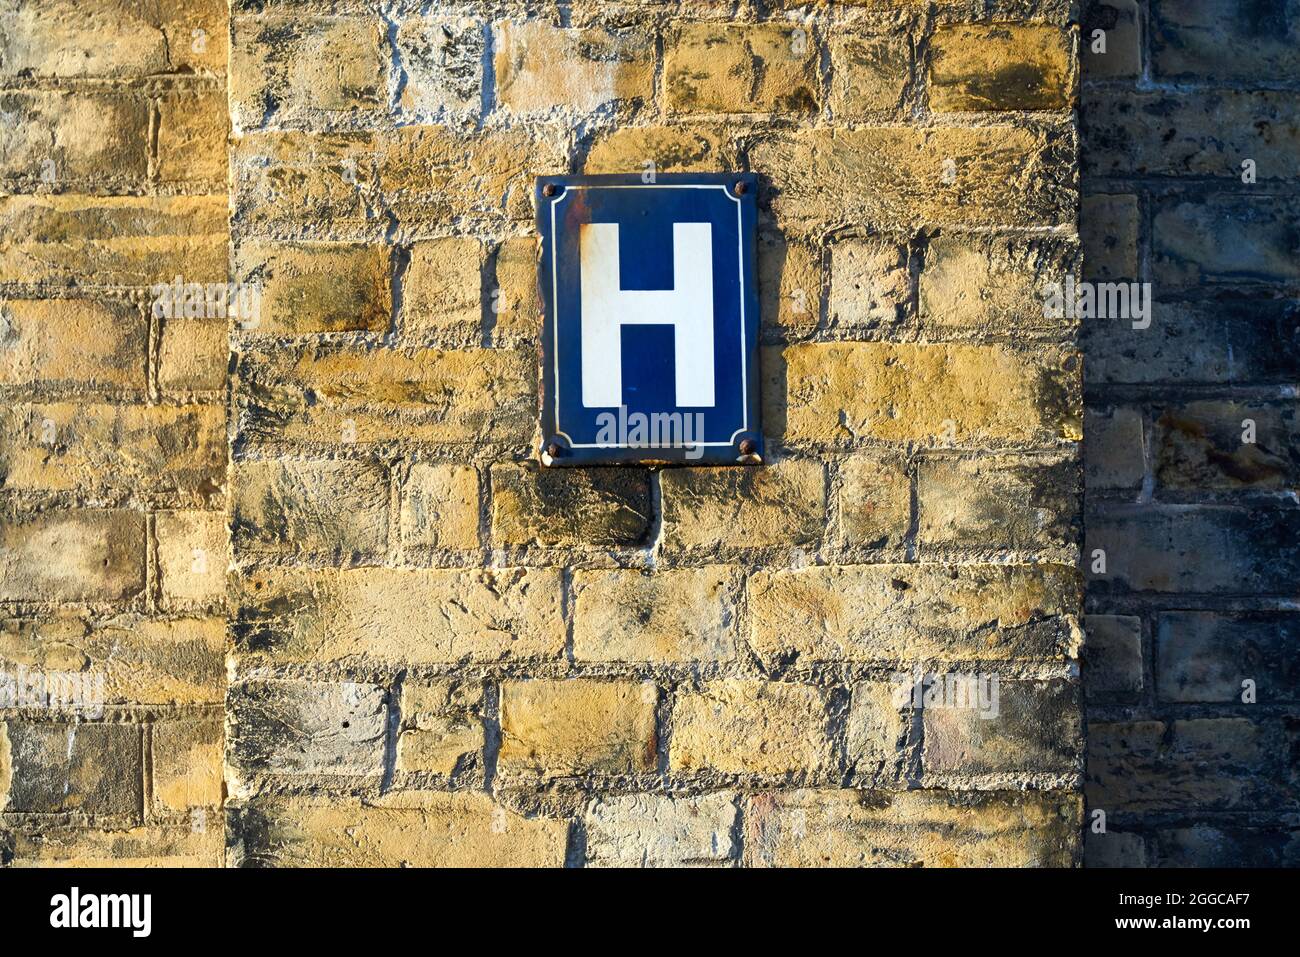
(548, 189)
(740, 189)
(553, 450)
(748, 446)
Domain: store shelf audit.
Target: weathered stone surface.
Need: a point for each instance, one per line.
(1120, 22)
(1195, 549)
(63, 137)
(193, 554)
(540, 68)
(1238, 847)
(1112, 657)
(1001, 67)
(876, 733)
(1030, 726)
(871, 285)
(437, 175)
(912, 829)
(1208, 133)
(75, 555)
(378, 414)
(281, 178)
(999, 501)
(789, 284)
(992, 284)
(300, 728)
(653, 830)
(344, 396)
(416, 830)
(421, 829)
(869, 73)
(141, 660)
(1219, 40)
(943, 176)
(442, 725)
(875, 501)
(64, 38)
(286, 69)
(1115, 452)
(71, 342)
(166, 845)
(1227, 445)
(335, 512)
(439, 506)
(740, 726)
(95, 447)
(741, 68)
(132, 240)
(892, 612)
(1226, 763)
(780, 504)
(1204, 656)
(401, 616)
(671, 149)
(91, 769)
(517, 304)
(1108, 227)
(1224, 238)
(192, 140)
(186, 764)
(557, 728)
(669, 616)
(442, 58)
(1227, 340)
(318, 287)
(839, 393)
(193, 355)
(581, 507)
(441, 289)
(434, 176)
(1114, 849)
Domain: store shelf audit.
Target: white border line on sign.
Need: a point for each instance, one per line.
(740, 275)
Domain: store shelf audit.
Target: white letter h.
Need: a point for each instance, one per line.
(606, 308)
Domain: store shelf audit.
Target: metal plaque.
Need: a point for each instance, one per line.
(650, 342)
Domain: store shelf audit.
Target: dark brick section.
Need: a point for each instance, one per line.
(1220, 341)
(1191, 182)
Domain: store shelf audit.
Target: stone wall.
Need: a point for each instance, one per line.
(1192, 434)
(112, 432)
(442, 654)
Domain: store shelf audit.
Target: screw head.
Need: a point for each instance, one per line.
(741, 187)
(553, 450)
(748, 446)
(548, 189)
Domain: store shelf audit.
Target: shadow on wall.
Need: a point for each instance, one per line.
(1190, 163)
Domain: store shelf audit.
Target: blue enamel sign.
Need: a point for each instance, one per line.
(650, 344)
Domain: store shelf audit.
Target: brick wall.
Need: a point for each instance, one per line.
(440, 653)
(443, 654)
(1199, 523)
(112, 443)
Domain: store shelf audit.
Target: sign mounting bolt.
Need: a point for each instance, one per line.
(747, 447)
(740, 189)
(548, 189)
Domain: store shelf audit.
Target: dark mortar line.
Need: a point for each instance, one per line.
(491, 731)
(393, 718)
